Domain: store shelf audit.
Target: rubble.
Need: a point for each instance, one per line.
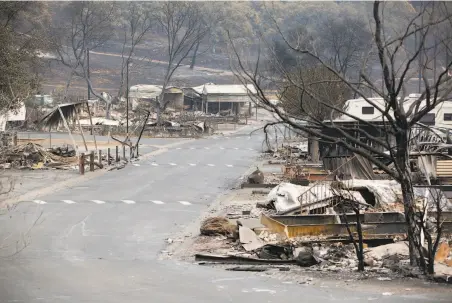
(385, 251)
(256, 177)
(249, 239)
(231, 259)
(287, 197)
(305, 256)
(442, 252)
(311, 224)
(217, 226)
(34, 156)
(273, 251)
(248, 268)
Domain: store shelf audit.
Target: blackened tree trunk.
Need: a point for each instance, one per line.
(359, 247)
(403, 165)
(193, 58)
(360, 250)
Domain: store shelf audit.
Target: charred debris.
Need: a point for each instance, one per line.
(337, 215)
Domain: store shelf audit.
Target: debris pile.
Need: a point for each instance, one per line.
(34, 156)
(217, 226)
(309, 214)
(256, 177)
(7, 139)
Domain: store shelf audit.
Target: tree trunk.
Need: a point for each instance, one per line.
(360, 251)
(314, 149)
(193, 58)
(413, 228)
(431, 254)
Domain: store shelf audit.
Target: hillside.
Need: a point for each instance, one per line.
(327, 22)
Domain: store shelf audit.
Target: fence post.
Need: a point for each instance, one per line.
(108, 156)
(15, 139)
(81, 163)
(130, 152)
(100, 158)
(124, 152)
(91, 161)
(117, 153)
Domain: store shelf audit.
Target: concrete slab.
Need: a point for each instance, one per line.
(249, 239)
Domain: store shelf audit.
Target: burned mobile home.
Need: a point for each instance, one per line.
(429, 138)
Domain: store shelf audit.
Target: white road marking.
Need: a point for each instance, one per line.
(226, 137)
(229, 165)
(39, 202)
(192, 164)
(250, 148)
(136, 164)
(154, 164)
(98, 201)
(206, 147)
(184, 202)
(210, 164)
(221, 147)
(179, 148)
(68, 201)
(226, 279)
(192, 148)
(157, 202)
(128, 201)
(172, 164)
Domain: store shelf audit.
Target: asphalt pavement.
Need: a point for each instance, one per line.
(99, 241)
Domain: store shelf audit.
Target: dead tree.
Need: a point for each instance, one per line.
(138, 22)
(183, 27)
(345, 205)
(88, 26)
(429, 217)
(380, 143)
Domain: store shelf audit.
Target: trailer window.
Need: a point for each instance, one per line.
(447, 117)
(368, 110)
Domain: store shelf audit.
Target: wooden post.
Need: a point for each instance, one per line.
(91, 161)
(108, 156)
(15, 139)
(99, 157)
(81, 163)
(92, 127)
(68, 129)
(117, 153)
(124, 153)
(81, 129)
(130, 152)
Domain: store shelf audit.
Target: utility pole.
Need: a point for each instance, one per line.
(421, 48)
(87, 65)
(127, 97)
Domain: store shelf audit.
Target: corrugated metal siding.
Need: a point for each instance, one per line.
(444, 168)
(228, 98)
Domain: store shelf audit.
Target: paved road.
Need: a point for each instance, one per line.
(99, 241)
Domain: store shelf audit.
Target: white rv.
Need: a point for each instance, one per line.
(440, 116)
